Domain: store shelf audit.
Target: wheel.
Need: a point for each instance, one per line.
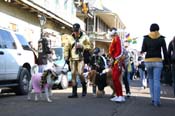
(64, 81)
(24, 78)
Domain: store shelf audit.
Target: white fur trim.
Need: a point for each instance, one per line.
(113, 32)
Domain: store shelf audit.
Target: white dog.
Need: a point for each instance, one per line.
(41, 81)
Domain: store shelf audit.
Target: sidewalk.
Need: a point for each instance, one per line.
(166, 90)
(139, 104)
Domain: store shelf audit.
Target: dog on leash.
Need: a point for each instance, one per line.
(41, 82)
(102, 82)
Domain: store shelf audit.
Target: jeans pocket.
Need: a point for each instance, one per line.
(158, 64)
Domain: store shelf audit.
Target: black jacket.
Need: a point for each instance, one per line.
(97, 63)
(152, 45)
(171, 51)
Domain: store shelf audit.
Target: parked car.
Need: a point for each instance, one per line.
(64, 75)
(16, 61)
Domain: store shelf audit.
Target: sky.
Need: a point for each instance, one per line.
(138, 15)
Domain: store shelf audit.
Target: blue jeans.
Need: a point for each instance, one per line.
(154, 70)
(41, 68)
(142, 78)
(126, 81)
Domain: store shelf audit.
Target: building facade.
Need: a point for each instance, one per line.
(22, 16)
(95, 20)
(99, 20)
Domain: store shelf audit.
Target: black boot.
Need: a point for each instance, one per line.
(74, 92)
(84, 87)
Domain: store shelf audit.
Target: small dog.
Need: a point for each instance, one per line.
(97, 82)
(41, 81)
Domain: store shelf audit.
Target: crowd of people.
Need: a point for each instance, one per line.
(80, 53)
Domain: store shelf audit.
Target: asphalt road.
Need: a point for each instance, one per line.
(137, 105)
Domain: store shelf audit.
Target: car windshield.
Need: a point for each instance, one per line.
(23, 42)
(59, 53)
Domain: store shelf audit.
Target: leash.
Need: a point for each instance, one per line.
(62, 71)
(64, 65)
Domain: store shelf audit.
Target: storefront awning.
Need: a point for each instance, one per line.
(38, 9)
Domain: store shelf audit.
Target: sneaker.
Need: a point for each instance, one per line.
(114, 98)
(123, 99)
(94, 94)
(157, 105)
(128, 95)
(120, 99)
(142, 88)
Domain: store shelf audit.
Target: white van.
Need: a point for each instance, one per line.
(16, 61)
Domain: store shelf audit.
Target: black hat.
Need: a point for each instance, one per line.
(76, 27)
(96, 50)
(113, 29)
(154, 27)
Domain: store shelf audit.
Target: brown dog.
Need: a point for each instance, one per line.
(108, 81)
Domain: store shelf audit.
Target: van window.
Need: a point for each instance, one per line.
(1, 42)
(8, 41)
(23, 42)
(59, 53)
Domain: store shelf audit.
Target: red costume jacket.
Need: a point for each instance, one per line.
(115, 48)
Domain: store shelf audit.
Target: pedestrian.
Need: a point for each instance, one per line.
(43, 51)
(152, 45)
(142, 72)
(126, 75)
(105, 60)
(115, 51)
(171, 54)
(97, 63)
(132, 71)
(73, 52)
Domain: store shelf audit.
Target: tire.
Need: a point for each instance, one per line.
(64, 81)
(24, 78)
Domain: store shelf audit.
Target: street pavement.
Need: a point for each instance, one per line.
(137, 105)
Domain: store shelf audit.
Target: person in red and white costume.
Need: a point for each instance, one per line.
(116, 53)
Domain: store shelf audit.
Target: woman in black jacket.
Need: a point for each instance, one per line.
(152, 45)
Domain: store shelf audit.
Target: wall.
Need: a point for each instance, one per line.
(26, 22)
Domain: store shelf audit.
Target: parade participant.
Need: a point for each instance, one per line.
(152, 45)
(73, 52)
(115, 51)
(43, 51)
(97, 63)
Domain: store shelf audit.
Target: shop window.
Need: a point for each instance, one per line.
(13, 26)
